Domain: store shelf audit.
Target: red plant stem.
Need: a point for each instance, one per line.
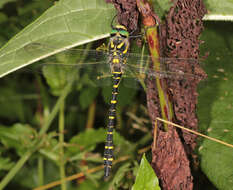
(151, 22)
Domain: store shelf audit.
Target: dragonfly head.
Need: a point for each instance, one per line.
(119, 30)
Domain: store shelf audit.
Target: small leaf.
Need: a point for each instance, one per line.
(11, 102)
(51, 149)
(3, 2)
(122, 146)
(146, 178)
(106, 93)
(56, 77)
(18, 136)
(219, 10)
(162, 7)
(3, 17)
(87, 96)
(126, 92)
(120, 174)
(28, 178)
(5, 163)
(87, 140)
(89, 185)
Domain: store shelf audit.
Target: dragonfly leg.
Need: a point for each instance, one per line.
(103, 76)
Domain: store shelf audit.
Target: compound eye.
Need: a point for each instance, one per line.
(113, 32)
(124, 33)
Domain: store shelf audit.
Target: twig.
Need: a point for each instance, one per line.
(79, 175)
(195, 132)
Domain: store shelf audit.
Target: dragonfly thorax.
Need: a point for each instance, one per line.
(118, 48)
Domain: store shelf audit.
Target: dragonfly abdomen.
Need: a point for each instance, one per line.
(108, 152)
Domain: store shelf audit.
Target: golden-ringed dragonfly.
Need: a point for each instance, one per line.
(105, 68)
(117, 48)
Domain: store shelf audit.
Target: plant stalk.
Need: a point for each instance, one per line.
(61, 142)
(41, 170)
(39, 141)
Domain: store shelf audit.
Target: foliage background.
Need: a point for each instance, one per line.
(27, 101)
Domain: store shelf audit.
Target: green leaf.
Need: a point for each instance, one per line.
(18, 136)
(3, 18)
(31, 7)
(51, 148)
(122, 146)
(120, 174)
(12, 106)
(216, 10)
(28, 178)
(57, 78)
(219, 10)
(106, 93)
(5, 164)
(146, 178)
(65, 25)
(126, 94)
(87, 96)
(161, 7)
(83, 142)
(215, 108)
(3, 2)
(89, 185)
(124, 91)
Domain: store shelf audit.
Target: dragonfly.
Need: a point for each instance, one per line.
(106, 67)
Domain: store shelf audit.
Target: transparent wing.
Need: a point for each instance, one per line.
(93, 65)
(141, 67)
(58, 74)
(39, 49)
(173, 68)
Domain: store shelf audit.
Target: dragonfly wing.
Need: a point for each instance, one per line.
(139, 68)
(132, 79)
(96, 74)
(91, 65)
(41, 51)
(182, 69)
(173, 68)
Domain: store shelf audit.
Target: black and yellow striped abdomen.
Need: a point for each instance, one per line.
(108, 152)
(118, 48)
